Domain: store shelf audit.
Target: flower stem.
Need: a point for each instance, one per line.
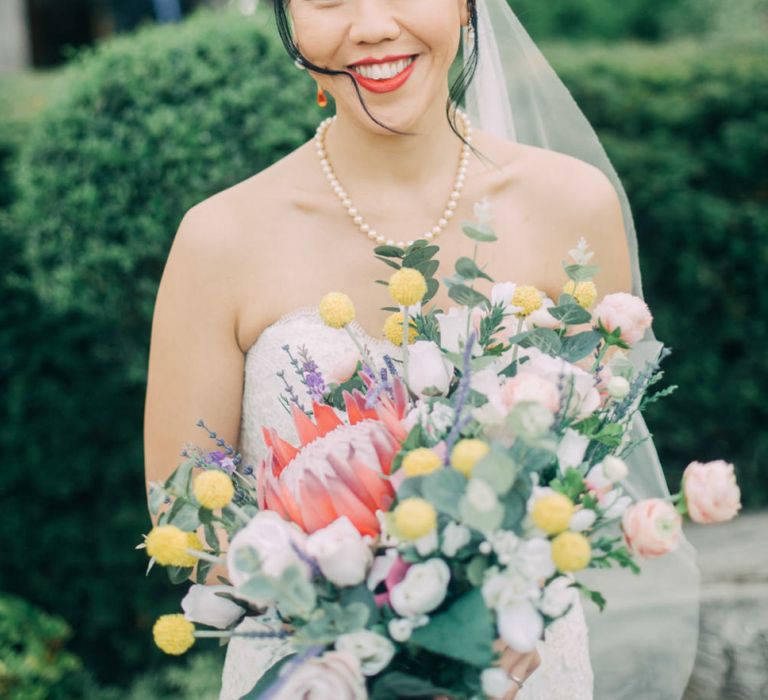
(363, 354)
(204, 555)
(517, 345)
(405, 344)
(239, 512)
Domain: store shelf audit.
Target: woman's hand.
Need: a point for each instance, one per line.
(512, 662)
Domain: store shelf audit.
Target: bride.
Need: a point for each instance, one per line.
(398, 162)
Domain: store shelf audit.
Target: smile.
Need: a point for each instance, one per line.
(384, 77)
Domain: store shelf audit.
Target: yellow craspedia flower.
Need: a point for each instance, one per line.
(571, 551)
(420, 461)
(527, 296)
(336, 309)
(393, 329)
(213, 489)
(168, 545)
(552, 513)
(407, 286)
(174, 634)
(414, 518)
(585, 293)
(466, 453)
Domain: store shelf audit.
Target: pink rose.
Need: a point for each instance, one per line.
(625, 311)
(526, 386)
(711, 492)
(542, 318)
(343, 367)
(651, 528)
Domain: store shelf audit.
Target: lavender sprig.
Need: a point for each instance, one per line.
(462, 392)
(292, 396)
(312, 377)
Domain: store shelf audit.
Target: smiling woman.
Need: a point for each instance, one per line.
(399, 146)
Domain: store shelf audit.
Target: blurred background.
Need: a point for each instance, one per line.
(116, 116)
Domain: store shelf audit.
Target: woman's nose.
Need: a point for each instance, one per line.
(373, 22)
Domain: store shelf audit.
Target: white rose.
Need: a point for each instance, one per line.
(455, 537)
(427, 368)
(618, 387)
(400, 629)
(427, 544)
(340, 552)
(453, 329)
(502, 293)
(582, 519)
(615, 468)
(534, 558)
(495, 681)
(557, 597)
(422, 590)
(273, 539)
(615, 505)
(570, 451)
(481, 496)
(520, 626)
(373, 651)
(506, 589)
(504, 543)
(335, 674)
(201, 604)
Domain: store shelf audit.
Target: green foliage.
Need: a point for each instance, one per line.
(685, 127)
(150, 125)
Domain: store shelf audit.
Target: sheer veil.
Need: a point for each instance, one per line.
(643, 645)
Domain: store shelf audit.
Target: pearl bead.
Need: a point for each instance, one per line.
(346, 201)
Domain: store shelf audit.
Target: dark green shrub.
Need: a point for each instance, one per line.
(687, 128)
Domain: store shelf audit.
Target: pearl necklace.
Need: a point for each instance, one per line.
(355, 214)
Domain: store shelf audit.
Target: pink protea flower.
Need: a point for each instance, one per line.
(340, 468)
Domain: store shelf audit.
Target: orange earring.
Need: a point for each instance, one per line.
(322, 100)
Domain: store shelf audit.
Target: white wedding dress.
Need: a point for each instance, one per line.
(565, 672)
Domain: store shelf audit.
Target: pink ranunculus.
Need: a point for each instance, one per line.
(625, 311)
(711, 492)
(651, 528)
(343, 367)
(527, 386)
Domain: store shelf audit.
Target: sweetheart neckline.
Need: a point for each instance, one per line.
(313, 310)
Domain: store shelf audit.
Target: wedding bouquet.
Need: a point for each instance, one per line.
(435, 503)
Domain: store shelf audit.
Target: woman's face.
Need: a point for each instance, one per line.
(338, 33)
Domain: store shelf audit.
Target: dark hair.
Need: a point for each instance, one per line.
(456, 90)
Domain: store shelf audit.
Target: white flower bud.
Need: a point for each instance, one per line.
(582, 520)
(618, 387)
(615, 468)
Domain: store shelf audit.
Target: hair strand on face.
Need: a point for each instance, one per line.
(456, 90)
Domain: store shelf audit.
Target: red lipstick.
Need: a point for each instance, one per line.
(387, 84)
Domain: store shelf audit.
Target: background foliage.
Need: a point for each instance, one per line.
(134, 133)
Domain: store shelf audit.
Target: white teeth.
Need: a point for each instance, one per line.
(382, 71)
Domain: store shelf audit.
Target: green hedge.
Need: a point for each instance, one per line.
(152, 124)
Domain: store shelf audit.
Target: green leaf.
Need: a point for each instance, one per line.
(410, 488)
(482, 520)
(179, 574)
(432, 286)
(428, 268)
(465, 631)
(478, 232)
(391, 263)
(467, 296)
(570, 314)
(184, 515)
(581, 273)
(156, 497)
(400, 685)
(296, 596)
(476, 569)
(575, 347)
(389, 251)
(179, 481)
(420, 255)
(361, 595)
(545, 339)
(498, 469)
(443, 488)
(468, 269)
(257, 587)
(268, 679)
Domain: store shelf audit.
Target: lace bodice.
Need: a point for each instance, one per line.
(565, 672)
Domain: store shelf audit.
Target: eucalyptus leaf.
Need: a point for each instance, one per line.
(157, 496)
(581, 273)
(389, 251)
(468, 269)
(545, 339)
(498, 469)
(482, 520)
(247, 560)
(296, 596)
(268, 679)
(575, 347)
(570, 314)
(432, 286)
(389, 262)
(420, 255)
(179, 481)
(443, 488)
(469, 616)
(467, 296)
(476, 569)
(397, 684)
(478, 232)
(257, 587)
(428, 268)
(179, 574)
(184, 515)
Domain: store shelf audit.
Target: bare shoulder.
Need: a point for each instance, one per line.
(573, 198)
